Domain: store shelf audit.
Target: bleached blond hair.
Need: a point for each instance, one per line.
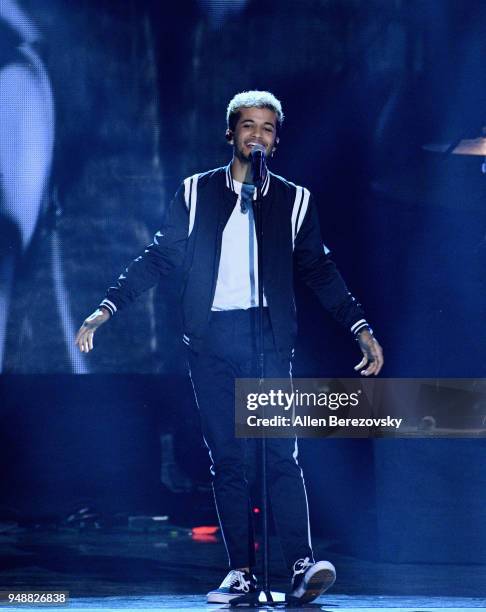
(253, 99)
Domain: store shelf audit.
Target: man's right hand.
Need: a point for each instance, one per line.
(84, 337)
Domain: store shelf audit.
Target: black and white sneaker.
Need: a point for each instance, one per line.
(310, 579)
(235, 584)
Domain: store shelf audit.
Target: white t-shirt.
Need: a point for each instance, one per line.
(237, 284)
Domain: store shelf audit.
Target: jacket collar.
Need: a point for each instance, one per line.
(235, 186)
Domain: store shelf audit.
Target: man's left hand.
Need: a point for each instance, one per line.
(372, 354)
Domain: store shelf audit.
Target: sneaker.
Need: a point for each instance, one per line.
(235, 584)
(310, 579)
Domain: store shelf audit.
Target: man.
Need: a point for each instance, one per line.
(210, 232)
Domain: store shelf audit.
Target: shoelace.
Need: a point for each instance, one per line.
(237, 577)
(301, 565)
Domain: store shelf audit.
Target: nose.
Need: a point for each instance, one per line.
(258, 132)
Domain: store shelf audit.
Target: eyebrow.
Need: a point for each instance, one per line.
(252, 121)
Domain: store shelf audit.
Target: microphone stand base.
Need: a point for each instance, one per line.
(259, 598)
(269, 599)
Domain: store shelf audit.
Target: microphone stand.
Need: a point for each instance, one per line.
(261, 376)
(253, 599)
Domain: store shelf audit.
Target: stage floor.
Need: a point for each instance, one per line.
(169, 570)
(173, 603)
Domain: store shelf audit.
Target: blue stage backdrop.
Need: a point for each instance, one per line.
(107, 106)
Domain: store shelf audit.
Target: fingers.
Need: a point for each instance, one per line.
(84, 339)
(378, 357)
(371, 369)
(373, 358)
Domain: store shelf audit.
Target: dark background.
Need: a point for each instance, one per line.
(141, 90)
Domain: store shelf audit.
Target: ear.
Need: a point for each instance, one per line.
(229, 136)
(277, 140)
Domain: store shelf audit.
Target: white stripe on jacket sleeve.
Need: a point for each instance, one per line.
(190, 198)
(109, 306)
(301, 203)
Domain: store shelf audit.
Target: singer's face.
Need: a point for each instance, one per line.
(254, 126)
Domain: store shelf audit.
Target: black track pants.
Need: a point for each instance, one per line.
(229, 352)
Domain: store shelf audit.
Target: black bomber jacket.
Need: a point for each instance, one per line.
(192, 235)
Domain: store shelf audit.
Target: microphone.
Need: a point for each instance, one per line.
(258, 164)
